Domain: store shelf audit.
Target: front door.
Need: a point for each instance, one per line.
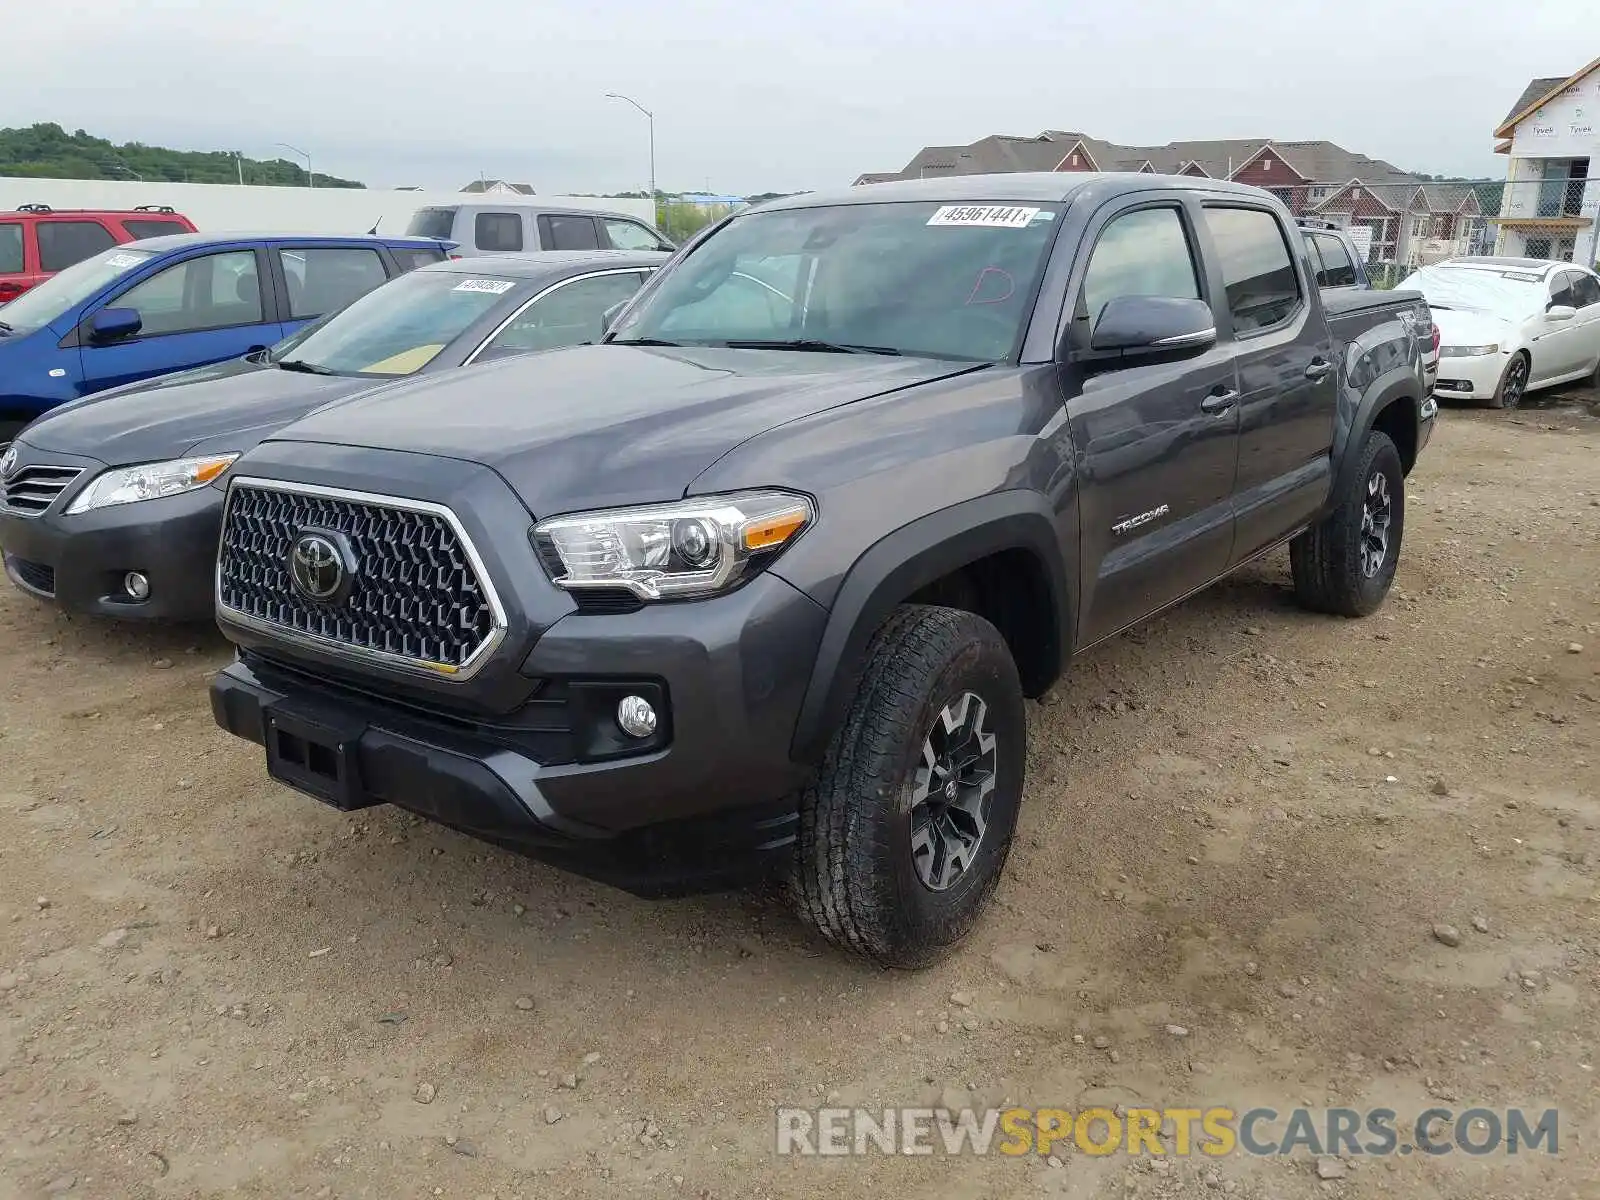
(1287, 375)
(1559, 347)
(1156, 443)
(203, 309)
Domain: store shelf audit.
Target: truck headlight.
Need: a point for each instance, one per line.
(1468, 351)
(150, 481)
(688, 548)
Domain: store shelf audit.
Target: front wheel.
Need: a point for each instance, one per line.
(1345, 563)
(905, 832)
(1513, 383)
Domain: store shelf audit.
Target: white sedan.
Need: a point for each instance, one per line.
(1510, 325)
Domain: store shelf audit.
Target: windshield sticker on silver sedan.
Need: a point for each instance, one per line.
(495, 287)
(984, 216)
(123, 260)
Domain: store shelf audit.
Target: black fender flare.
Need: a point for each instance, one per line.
(1378, 397)
(907, 560)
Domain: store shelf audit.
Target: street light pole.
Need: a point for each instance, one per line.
(311, 175)
(651, 117)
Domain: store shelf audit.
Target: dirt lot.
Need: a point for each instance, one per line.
(1241, 820)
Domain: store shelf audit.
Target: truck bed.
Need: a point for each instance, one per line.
(1341, 302)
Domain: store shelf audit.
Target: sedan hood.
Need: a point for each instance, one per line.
(140, 425)
(1460, 328)
(594, 426)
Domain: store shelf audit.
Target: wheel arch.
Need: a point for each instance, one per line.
(1394, 407)
(1013, 531)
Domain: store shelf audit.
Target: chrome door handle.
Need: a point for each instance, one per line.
(1219, 402)
(1318, 368)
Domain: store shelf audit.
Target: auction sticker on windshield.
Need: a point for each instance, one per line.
(495, 287)
(123, 260)
(984, 216)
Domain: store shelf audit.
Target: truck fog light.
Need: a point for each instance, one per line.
(137, 585)
(635, 717)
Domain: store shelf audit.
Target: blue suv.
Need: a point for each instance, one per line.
(170, 303)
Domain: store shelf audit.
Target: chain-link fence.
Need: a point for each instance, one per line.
(1402, 225)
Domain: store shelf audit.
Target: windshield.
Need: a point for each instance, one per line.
(432, 223)
(1508, 293)
(67, 289)
(398, 328)
(941, 281)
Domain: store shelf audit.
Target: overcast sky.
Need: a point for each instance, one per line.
(753, 95)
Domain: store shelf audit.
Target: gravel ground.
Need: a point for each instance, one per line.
(1241, 820)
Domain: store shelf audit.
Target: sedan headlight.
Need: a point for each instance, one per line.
(688, 548)
(150, 481)
(1468, 351)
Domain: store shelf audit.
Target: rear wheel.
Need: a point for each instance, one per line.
(905, 832)
(1513, 383)
(1345, 563)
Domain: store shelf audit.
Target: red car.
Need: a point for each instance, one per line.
(36, 241)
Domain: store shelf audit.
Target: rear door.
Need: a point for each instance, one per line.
(1287, 379)
(567, 231)
(1157, 442)
(204, 308)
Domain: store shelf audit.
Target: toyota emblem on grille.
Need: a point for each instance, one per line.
(8, 463)
(320, 567)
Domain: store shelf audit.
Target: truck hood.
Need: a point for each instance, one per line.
(220, 414)
(1458, 327)
(595, 426)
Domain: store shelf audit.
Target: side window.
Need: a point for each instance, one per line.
(560, 232)
(1337, 269)
(10, 248)
(1561, 289)
(566, 316)
(62, 243)
(1257, 273)
(1141, 253)
(1314, 258)
(1586, 289)
(410, 258)
(498, 233)
(138, 230)
(324, 278)
(210, 292)
(629, 235)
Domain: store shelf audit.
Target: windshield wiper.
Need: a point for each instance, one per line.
(643, 342)
(812, 344)
(4, 328)
(308, 368)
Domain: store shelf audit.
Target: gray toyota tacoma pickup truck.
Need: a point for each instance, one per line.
(760, 583)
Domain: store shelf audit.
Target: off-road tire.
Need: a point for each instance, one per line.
(855, 876)
(1510, 391)
(1326, 560)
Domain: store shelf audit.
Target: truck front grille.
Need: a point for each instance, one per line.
(416, 593)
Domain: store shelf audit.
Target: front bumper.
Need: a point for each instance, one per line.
(1470, 378)
(709, 804)
(79, 561)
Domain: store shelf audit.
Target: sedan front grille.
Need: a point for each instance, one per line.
(417, 596)
(32, 490)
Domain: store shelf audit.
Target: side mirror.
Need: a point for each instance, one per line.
(609, 317)
(1138, 328)
(1561, 312)
(114, 324)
